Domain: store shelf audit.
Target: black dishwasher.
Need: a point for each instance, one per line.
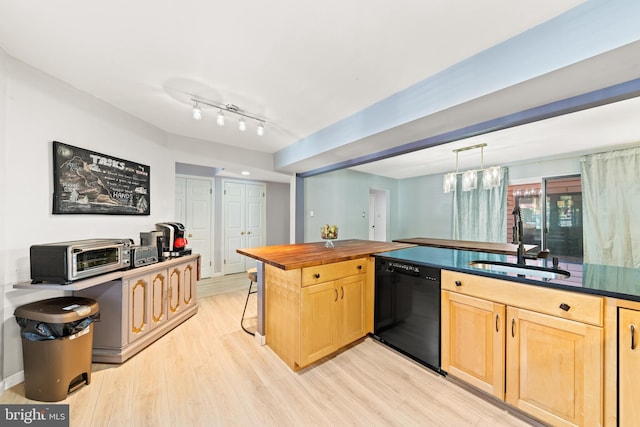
(407, 310)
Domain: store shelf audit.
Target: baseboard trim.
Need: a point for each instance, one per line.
(12, 380)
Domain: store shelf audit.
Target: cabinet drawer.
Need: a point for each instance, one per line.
(336, 270)
(577, 306)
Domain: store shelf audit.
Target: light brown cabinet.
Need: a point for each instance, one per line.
(313, 311)
(539, 349)
(554, 368)
(628, 367)
(332, 316)
(473, 341)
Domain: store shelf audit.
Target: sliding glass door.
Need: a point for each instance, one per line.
(563, 217)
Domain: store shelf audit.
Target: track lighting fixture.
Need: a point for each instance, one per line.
(242, 115)
(197, 111)
(491, 177)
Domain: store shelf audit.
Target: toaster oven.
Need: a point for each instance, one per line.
(65, 262)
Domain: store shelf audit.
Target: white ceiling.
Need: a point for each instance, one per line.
(301, 66)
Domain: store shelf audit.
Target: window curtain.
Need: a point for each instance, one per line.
(611, 208)
(480, 215)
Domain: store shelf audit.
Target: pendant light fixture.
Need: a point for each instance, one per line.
(220, 118)
(491, 177)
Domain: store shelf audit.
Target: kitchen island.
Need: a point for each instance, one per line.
(314, 300)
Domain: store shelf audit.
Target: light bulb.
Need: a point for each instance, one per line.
(220, 118)
(242, 125)
(260, 130)
(197, 112)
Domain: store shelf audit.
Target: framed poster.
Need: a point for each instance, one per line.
(86, 182)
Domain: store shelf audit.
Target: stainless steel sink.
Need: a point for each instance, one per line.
(521, 270)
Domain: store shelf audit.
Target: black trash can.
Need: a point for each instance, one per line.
(57, 337)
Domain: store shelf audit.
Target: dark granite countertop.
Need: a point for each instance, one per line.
(605, 280)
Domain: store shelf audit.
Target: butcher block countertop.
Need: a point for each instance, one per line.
(494, 248)
(293, 256)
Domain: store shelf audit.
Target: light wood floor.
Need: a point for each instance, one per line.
(208, 372)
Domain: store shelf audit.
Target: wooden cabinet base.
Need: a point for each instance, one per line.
(141, 307)
(313, 312)
(120, 355)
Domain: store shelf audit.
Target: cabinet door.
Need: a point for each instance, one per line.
(174, 290)
(628, 367)
(318, 328)
(473, 341)
(188, 273)
(351, 315)
(138, 323)
(156, 296)
(554, 368)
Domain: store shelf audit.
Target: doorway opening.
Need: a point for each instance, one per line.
(551, 215)
(378, 214)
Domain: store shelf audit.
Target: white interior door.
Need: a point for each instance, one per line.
(378, 224)
(234, 226)
(198, 221)
(244, 223)
(194, 201)
(372, 216)
(255, 218)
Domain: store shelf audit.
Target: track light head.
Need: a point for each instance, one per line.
(197, 111)
(242, 124)
(220, 118)
(260, 130)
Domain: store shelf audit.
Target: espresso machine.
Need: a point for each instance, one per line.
(169, 238)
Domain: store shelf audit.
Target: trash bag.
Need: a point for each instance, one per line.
(36, 330)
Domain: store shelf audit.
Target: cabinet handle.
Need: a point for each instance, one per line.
(336, 295)
(565, 307)
(513, 328)
(632, 328)
(242, 233)
(248, 232)
(317, 275)
(458, 283)
(342, 290)
(359, 267)
(497, 322)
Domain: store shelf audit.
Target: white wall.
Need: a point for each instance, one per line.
(37, 110)
(342, 198)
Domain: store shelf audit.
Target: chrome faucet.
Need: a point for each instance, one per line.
(518, 235)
